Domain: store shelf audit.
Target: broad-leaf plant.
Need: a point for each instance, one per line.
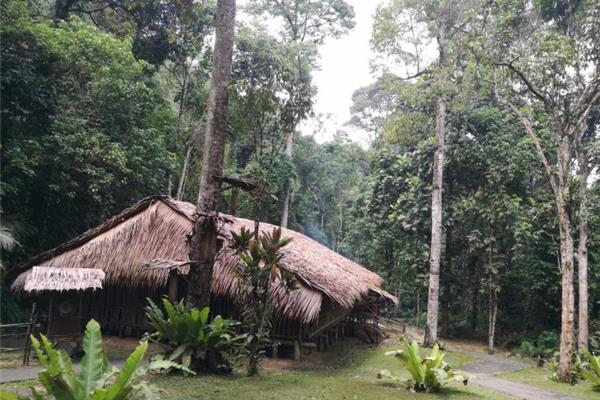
(428, 374)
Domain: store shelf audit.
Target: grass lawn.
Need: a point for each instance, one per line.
(537, 377)
(345, 372)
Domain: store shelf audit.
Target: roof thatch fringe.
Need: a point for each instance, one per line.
(63, 279)
(140, 246)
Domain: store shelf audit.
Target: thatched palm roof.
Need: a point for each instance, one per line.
(144, 243)
(63, 279)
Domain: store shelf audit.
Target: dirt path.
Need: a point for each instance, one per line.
(487, 366)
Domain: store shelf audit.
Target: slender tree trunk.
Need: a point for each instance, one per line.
(289, 151)
(582, 253)
(492, 312)
(193, 144)
(436, 226)
(203, 246)
(431, 334)
(492, 302)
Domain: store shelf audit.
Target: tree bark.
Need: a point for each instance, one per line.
(492, 312)
(436, 226)
(289, 151)
(582, 251)
(567, 337)
(203, 246)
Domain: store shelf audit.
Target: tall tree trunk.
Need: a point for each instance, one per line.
(203, 246)
(436, 199)
(567, 332)
(289, 151)
(436, 226)
(582, 251)
(560, 183)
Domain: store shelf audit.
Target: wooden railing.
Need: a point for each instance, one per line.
(15, 337)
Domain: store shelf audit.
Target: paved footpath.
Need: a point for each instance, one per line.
(25, 373)
(18, 374)
(488, 365)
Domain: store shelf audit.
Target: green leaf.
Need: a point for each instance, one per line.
(93, 364)
(122, 386)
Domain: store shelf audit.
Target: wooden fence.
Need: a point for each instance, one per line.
(15, 337)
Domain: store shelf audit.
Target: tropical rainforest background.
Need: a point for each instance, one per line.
(102, 104)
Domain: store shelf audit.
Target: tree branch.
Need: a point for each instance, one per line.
(524, 79)
(538, 147)
(415, 75)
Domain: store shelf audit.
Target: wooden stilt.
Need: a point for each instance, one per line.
(275, 349)
(297, 351)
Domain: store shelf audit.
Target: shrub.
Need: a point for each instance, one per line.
(527, 349)
(188, 338)
(428, 374)
(95, 380)
(575, 374)
(544, 345)
(592, 373)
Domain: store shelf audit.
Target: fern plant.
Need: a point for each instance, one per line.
(95, 380)
(578, 366)
(190, 339)
(593, 373)
(428, 374)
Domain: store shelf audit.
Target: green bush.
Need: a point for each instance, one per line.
(575, 374)
(592, 373)
(428, 374)
(546, 344)
(95, 380)
(188, 338)
(527, 349)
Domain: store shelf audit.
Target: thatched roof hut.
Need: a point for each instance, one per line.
(145, 245)
(63, 279)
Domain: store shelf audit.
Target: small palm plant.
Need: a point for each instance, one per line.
(189, 338)
(593, 373)
(259, 267)
(428, 374)
(95, 380)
